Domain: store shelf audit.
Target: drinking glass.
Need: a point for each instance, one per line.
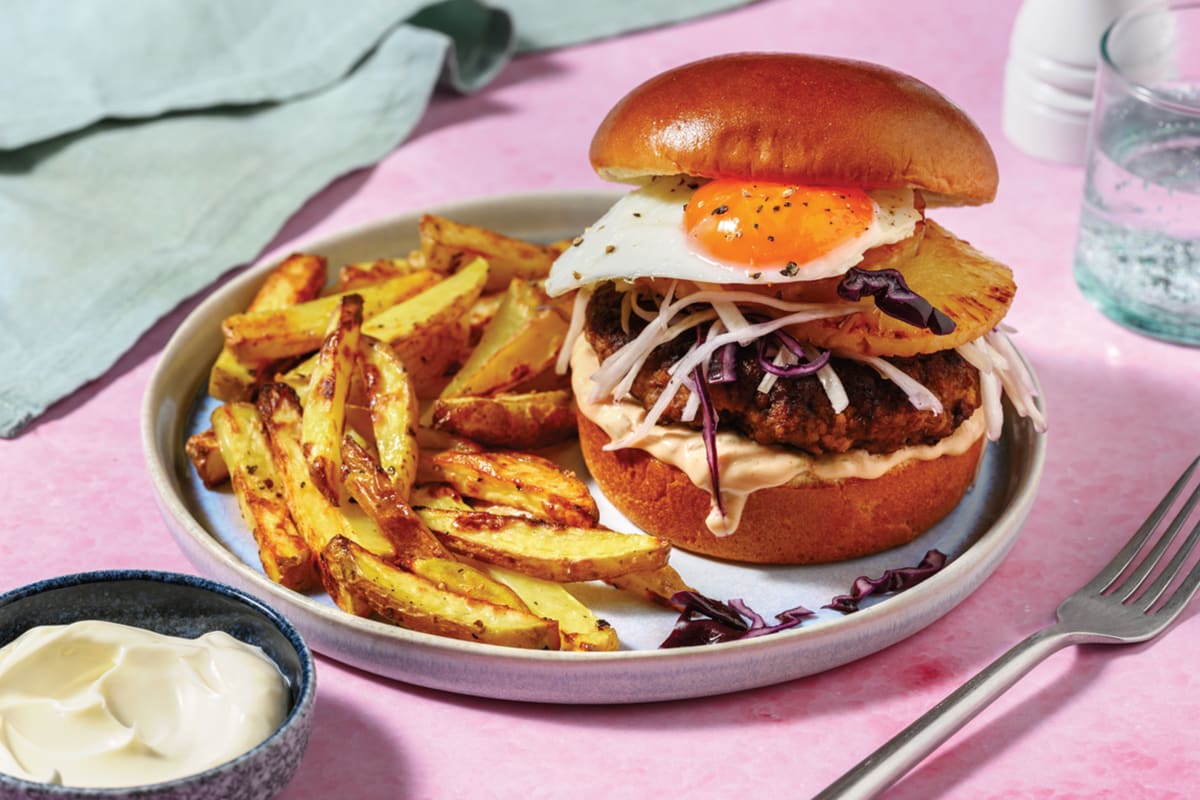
(1137, 258)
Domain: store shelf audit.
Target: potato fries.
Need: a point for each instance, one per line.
(520, 480)
(578, 627)
(414, 602)
(285, 554)
(439, 521)
(324, 416)
(545, 549)
(204, 451)
(447, 244)
(297, 279)
(259, 336)
(368, 273)
(520, 341)
(393, 403)
(515, 421)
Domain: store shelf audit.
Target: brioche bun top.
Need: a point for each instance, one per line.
(795, 118)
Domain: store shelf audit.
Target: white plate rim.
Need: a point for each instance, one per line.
(535, 676)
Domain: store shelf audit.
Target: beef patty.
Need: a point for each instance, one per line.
(796, 411)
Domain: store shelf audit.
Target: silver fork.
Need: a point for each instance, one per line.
(1119, 606)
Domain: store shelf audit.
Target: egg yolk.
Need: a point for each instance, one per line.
(759, 225)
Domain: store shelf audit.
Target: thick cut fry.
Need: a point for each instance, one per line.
(437, 495)
(434, 358)
(447, 244)
(521, 480)
(316, 518)
(453, 575)
(513, 421)
(658, 586)
(369, 273)
(285, 555)
(260, 336)
(297, 279)
(427, 331)
(544, 549)
(324, 417)
(480, 314)
(433, 355)
(522, 340)
(413, 602)
(417, 549)
(443, 302)
(376, 494)
(578, 627)
(204, 452)
(393, 404)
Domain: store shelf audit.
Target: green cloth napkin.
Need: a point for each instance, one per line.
(148, 146)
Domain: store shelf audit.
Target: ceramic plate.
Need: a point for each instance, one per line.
(207, 527)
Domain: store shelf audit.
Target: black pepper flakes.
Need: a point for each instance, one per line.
(719, 210)
(790, 269)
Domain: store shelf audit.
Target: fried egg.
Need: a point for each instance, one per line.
(734, 232)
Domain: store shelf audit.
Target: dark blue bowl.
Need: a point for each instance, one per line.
(186, 606)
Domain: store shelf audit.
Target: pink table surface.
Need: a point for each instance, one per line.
(1124, 420)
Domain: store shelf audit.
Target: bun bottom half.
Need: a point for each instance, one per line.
(804, 524)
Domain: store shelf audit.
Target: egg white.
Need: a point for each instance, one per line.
(642, 236)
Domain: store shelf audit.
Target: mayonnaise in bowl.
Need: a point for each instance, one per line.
(100, 704)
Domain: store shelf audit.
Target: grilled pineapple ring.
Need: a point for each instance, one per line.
(972, 289)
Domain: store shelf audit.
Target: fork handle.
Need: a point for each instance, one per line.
(906, 749)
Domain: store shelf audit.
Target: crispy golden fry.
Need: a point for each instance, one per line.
(432, 356)
(455, 576)
(544, 549)
(375, 492)
(369, 273)
(409, 600)
(659, 586)
(324, 417)
(521, 341)
(480, 314)
(417, 549)
(297, 279)
(443, 302)
(446, 244)
(513, 421)
(546, 381)
(430, 440)
(393, 408)
(578, 627)
(521, 480)
(316, 518)
(260, 336)
(204, 452)
(437, 495)
(285, 555)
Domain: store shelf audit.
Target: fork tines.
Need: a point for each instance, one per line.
(1153, 560)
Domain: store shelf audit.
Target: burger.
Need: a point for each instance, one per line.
(778, 356)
